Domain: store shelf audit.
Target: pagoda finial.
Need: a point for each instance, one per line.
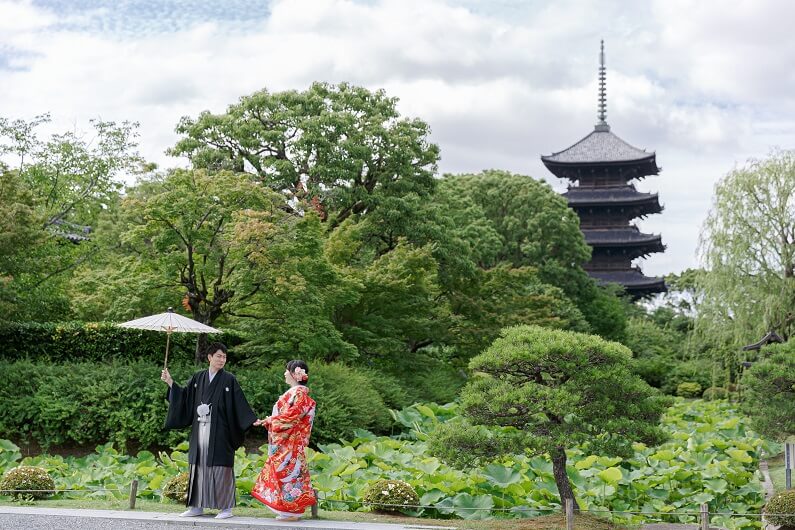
(602, 108)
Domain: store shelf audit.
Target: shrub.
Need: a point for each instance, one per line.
(780, 508)
(177, 488)
(124, 402)
(715, 392)
(391, 496)
(653, 370)
(27, 481)
(95, 341)
(693, 371)
(688, 389)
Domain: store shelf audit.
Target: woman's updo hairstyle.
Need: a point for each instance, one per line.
(292, 365)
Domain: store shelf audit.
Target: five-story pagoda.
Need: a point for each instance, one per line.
(601, 168)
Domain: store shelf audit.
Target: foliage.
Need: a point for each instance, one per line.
(390, 496)
(715, 392)
(27, 481)
(769, 391)
(397, 308)
(347, 399)
(748, 249)
(183, 223)
(52, 195)
(96, 341)
(658, 340)
(504, 296)
(339, 149)
(296, 290)
(693, 371)
(688, 389)
(711, 457)
(176, 488)
(515, 219)
(549, 390)
(124, 402)
(780, 510)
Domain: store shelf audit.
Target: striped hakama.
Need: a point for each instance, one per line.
(210, 486)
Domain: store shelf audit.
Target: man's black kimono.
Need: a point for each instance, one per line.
(230, 417)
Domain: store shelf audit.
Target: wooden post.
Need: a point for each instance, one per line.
(705, 517)
(569, 514)
(133, 493)
(314, 506)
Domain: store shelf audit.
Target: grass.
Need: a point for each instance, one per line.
(775, 467)
(549, 522)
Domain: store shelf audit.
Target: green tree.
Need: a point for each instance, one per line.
(509, 218)
(178, 239)
(68, 180)
(748, 250)
(505, 296)
(297, 290)
(769, 392)
(339, 149)
(544, 391)
(399, 308)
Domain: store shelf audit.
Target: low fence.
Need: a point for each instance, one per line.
(702, 517)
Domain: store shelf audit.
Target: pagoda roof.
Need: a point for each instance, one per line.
(617, 237)
(633, 280)
(599, 147)
(71, 231)
(579, 196)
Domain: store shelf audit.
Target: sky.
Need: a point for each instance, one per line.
(705, 84)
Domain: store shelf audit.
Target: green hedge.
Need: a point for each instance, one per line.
(100, 341)
(123, 402)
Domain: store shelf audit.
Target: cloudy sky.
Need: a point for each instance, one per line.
(706, 84)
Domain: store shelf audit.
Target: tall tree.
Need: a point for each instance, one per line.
(544, 391)
(748, 251)
(522, 221)
(339, 149)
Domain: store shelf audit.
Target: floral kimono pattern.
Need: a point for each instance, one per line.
(283, 484)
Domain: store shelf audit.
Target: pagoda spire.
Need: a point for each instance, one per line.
(602, 107)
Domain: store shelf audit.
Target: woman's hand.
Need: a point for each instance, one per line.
(265, 423)
(165, 376)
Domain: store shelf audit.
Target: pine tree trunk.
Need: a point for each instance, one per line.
(561, 478)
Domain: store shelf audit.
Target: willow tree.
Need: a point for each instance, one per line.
(545, 391)
(748, 250)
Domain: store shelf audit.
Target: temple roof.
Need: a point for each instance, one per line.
(578, 196)
(601, 146)
(613, 237)
(771, 336)
(633, 281)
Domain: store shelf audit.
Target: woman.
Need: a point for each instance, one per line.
(283, 484)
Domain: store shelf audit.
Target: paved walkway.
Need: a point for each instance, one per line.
(68, 519)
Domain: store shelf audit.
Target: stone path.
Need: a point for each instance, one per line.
(769, 492)
(68, 519)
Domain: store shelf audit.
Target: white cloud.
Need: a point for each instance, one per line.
(703, 84)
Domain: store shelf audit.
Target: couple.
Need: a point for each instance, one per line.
(213, 405)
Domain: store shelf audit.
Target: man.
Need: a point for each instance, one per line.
(213, 405)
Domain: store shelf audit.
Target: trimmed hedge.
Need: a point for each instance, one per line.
(124, 402)
(96, 341)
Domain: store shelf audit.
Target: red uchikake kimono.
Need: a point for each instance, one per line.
(283, 484)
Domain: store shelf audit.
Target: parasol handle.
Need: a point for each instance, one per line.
(168, 342)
